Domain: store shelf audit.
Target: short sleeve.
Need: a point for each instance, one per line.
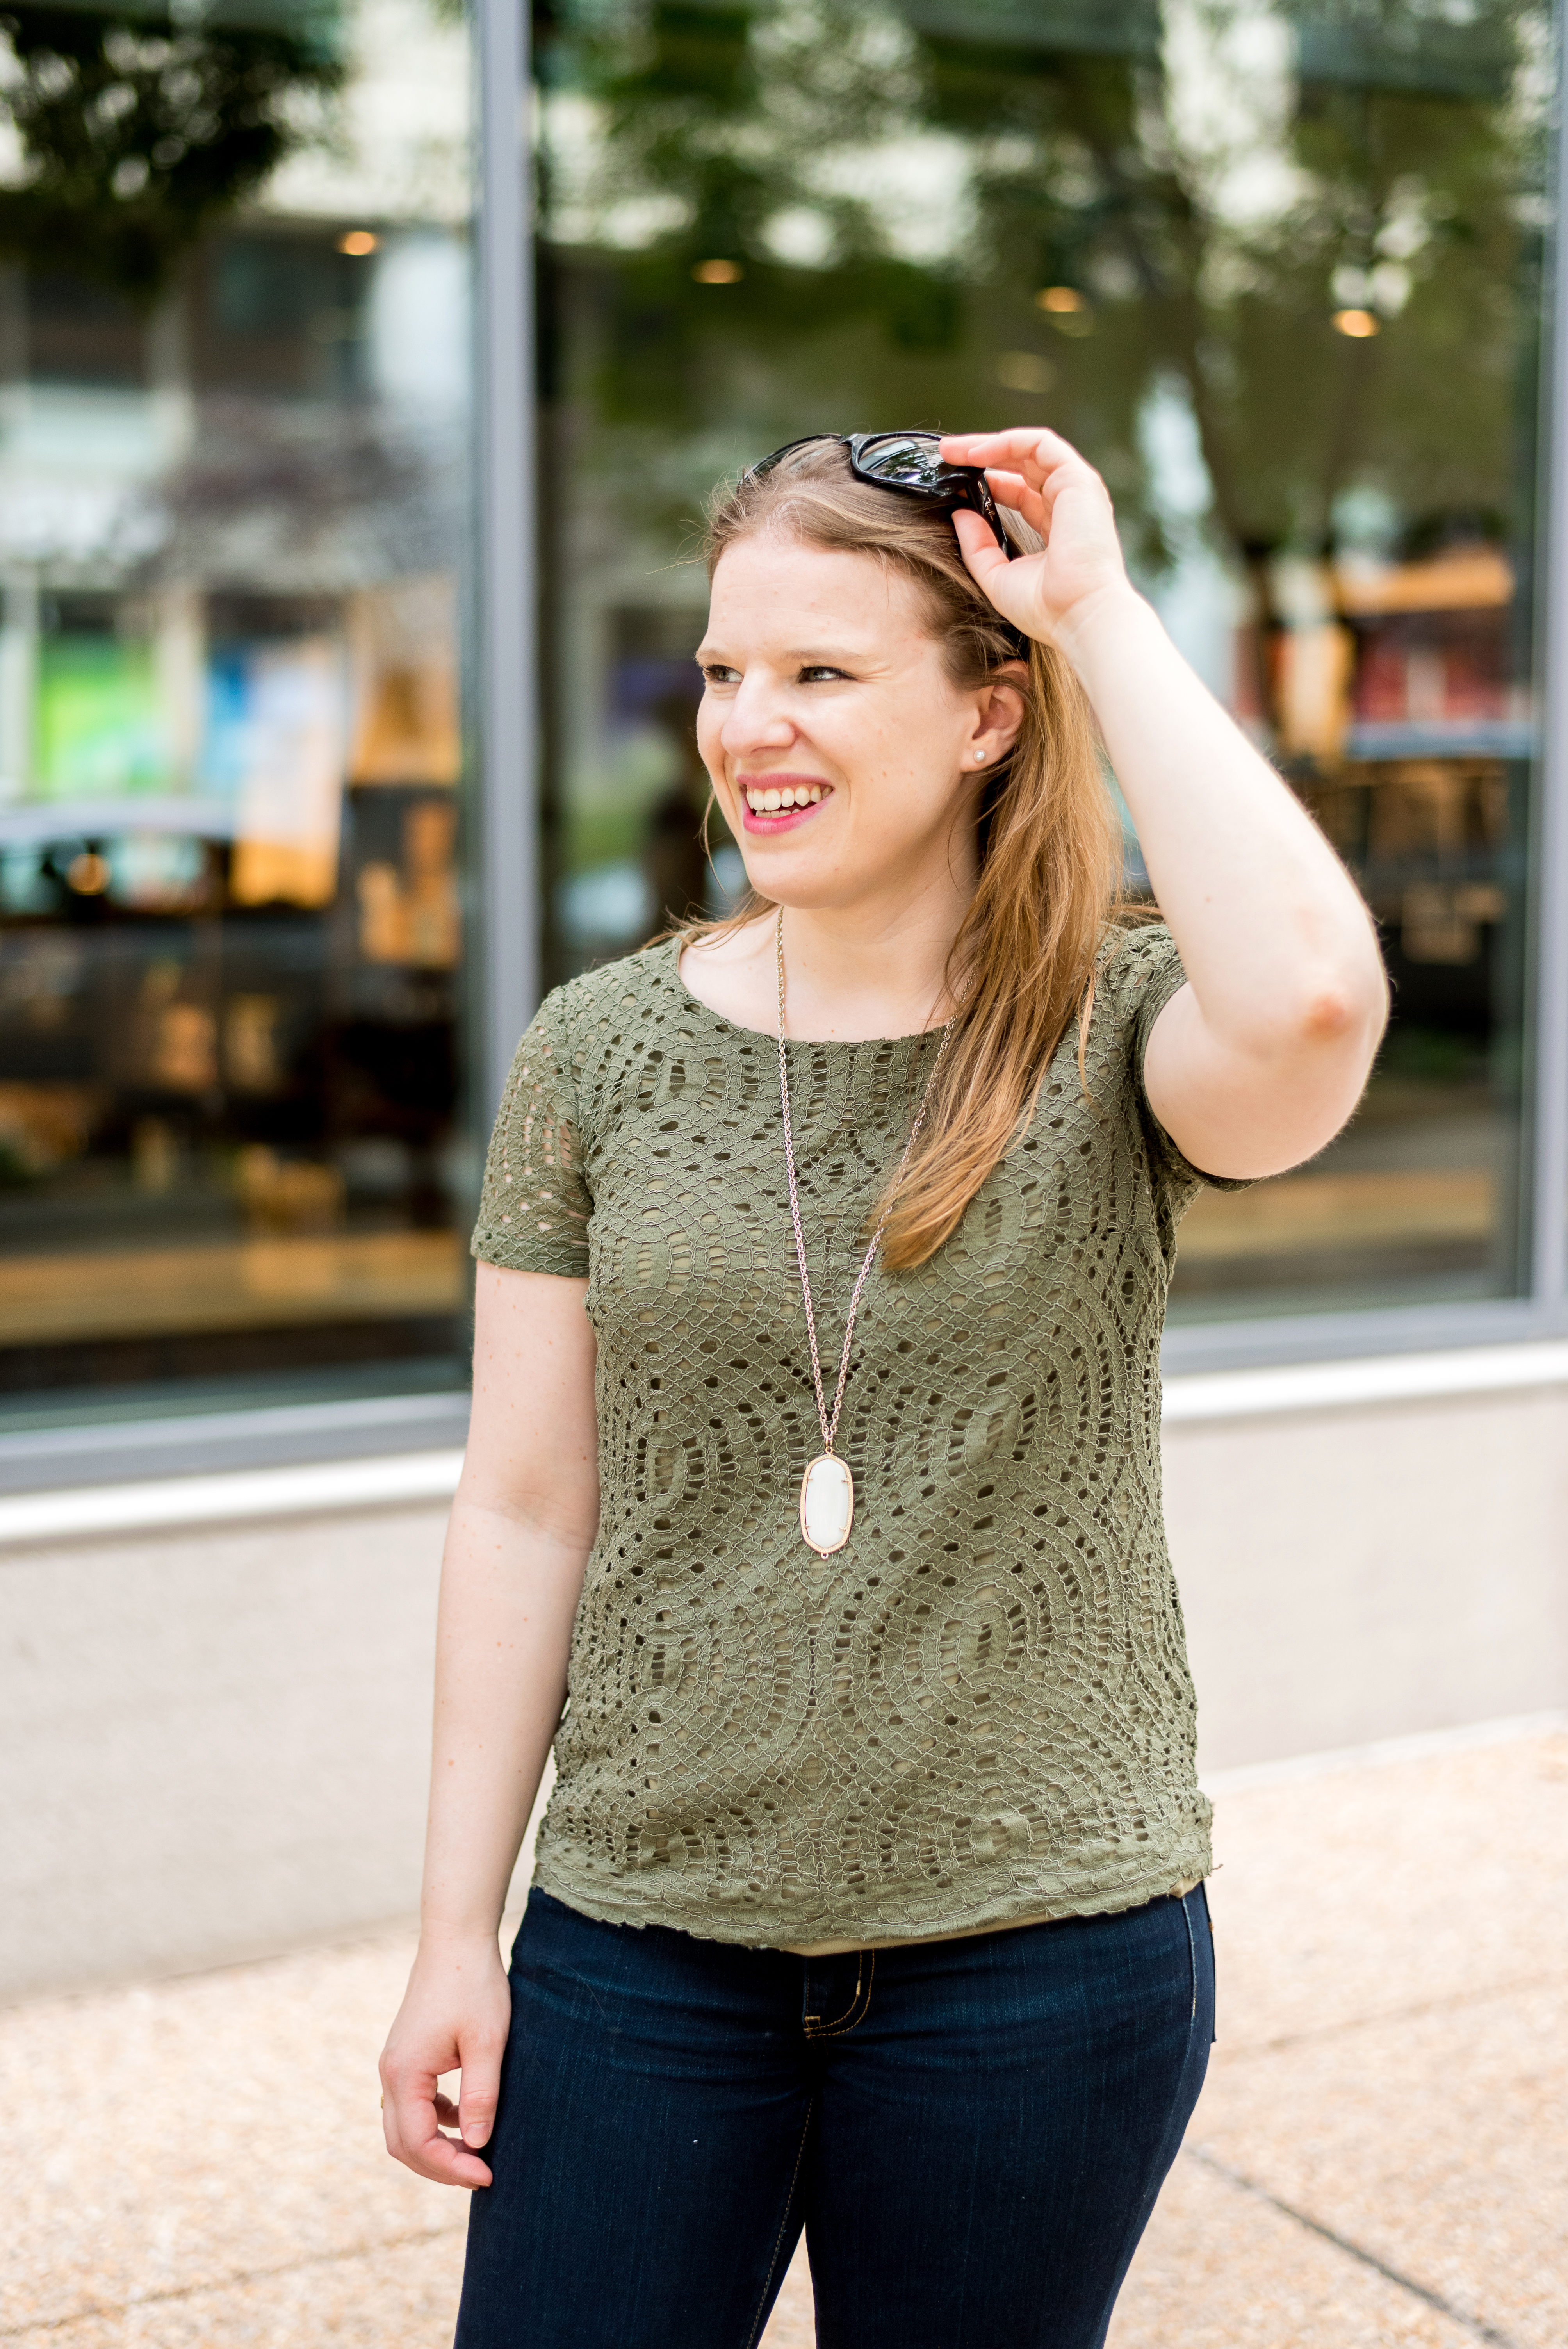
(1139, 977)
(535, 1204)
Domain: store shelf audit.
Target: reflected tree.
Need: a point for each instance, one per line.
(1317, 226)
(141, 127)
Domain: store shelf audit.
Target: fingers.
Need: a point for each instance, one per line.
(414, 2115)
(480, 2088)
(1032, 449)
(1012, 489)
(983, 559)
(411, 2117)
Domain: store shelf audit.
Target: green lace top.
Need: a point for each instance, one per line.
(978, 1712)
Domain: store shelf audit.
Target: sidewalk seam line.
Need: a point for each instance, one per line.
(227, 2283)
(1476, 2325)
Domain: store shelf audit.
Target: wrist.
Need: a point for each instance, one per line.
(1101, 626)
(454, 1942)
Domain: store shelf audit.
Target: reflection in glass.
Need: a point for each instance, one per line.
(233, 436)
(1278, 270)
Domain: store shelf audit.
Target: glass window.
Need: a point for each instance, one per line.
(234, 429)
(1278, 271)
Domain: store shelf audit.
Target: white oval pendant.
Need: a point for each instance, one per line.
(827, 1504)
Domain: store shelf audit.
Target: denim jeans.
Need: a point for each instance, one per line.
(972, 2133)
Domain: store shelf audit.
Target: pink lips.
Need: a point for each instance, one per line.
(782, 819)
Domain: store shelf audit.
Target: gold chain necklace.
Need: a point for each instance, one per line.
(827, 1488)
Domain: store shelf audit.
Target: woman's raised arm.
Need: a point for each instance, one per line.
(1259, 1059)
(523, 1524)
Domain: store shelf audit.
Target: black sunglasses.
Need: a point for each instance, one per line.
(908, 462)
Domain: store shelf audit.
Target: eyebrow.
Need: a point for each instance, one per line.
(826, 658)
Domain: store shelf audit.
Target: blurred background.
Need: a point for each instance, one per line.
(1280, 270)
(235, 504)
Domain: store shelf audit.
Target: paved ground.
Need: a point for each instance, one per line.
(1378, 2158)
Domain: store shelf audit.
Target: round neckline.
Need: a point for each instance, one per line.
(791, 1043)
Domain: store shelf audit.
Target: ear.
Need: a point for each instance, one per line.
(1000, 706)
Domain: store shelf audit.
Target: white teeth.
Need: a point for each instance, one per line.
(777, 799)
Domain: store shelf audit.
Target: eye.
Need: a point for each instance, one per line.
(715, 673)
(820, 669)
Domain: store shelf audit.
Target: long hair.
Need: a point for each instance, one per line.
(1023, 963)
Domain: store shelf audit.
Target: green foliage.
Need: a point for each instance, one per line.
(1405, 161)
(140, 129)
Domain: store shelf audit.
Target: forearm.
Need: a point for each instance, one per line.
(508, 1598)
(521, 1528)
(1257, 1061)
(1275, 941)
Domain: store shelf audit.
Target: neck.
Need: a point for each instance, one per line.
(859, 972)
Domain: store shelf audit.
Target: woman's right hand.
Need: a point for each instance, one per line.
(455, 2016)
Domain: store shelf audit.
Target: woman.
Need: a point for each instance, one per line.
(870, 1895)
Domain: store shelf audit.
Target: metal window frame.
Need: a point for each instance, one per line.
(508, 694)
(1546, 1065)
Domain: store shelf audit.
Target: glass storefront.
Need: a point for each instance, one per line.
(1278, 270)
(235, 509)
(1281, 267)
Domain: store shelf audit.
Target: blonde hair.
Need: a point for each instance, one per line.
(1023, 963)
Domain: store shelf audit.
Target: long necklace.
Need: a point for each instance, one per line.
(827, 1488)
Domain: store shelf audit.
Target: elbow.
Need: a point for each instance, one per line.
(1341, 1011)
(1331, 1016)
(1332, 1020)
(1343, 1018)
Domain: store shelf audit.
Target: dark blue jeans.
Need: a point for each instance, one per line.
(972, 2133)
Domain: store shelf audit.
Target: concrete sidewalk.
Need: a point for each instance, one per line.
(1379, 2156)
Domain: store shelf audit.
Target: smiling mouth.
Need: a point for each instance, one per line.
(773, 798)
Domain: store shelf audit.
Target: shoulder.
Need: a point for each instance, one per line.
(600, 1008)
(616, 986)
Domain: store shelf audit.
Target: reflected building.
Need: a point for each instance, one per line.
(234, 517)
(1282, 273)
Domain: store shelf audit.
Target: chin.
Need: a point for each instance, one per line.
(786, 881)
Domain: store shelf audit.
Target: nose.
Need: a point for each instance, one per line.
(756, 720)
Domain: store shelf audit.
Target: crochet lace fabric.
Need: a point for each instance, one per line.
(980, 1709)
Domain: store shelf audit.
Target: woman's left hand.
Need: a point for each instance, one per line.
(1059, 495)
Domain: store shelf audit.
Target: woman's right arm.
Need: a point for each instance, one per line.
(523, 1524)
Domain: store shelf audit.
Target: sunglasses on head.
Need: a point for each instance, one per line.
(908, 462)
